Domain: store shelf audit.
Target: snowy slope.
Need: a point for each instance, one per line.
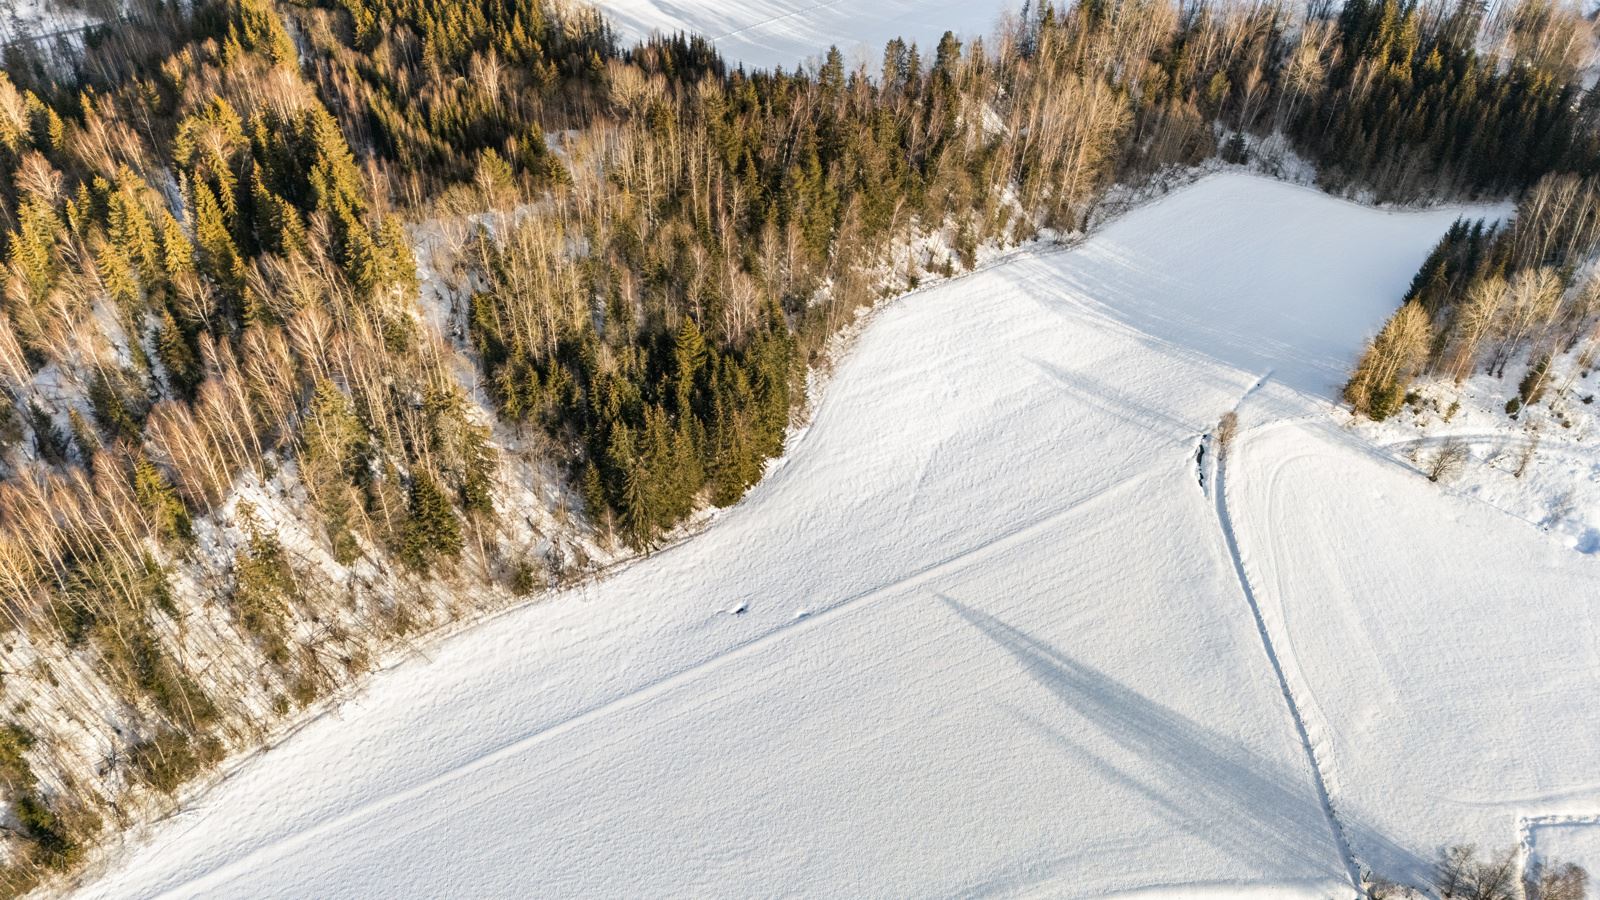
(1279, 278)
(1448, 653)
(980, 632)
(40, 20)
(764, 34)
(1540, 467)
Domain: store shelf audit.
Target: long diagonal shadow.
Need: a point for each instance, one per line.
(1256, 810)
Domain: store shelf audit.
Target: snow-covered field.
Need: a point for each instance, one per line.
(1447, 654)
(988, 629)
(763, 34)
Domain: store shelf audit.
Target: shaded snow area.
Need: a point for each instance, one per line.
(765, 34)
(991, 628)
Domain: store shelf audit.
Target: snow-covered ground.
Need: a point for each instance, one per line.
(1566, 840)
(1447, 655)
(1541, 466)
(989, 629)
(764, 34)
(41, 20)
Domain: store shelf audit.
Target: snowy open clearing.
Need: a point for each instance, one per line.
(763, 34)
(988, 630)
(1448, 654)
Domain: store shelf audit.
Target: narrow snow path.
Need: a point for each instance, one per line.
(1219, 493)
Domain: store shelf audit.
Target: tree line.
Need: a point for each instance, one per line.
(1489, 295)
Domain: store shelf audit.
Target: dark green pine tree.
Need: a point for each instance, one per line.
(431, 530)
(689, 358)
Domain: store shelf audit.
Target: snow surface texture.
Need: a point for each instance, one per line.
(1437, 641)
(988, 629)
(765, 34)
(40, 20)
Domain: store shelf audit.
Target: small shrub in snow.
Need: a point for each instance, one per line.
(1227, 428)
(1380, 888)
(525, 579)
(15, 773)
(1555, 881)
(165, 761)
(1525, 458)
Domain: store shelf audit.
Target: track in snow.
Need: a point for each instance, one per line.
(643, 694)
(1219, 493)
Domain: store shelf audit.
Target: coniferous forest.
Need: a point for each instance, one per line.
(211, 222)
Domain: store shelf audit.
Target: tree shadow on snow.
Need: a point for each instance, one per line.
(1101, 395)
(1163, 310)
(1251, 808)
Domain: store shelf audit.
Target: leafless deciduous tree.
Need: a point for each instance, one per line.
(1447, 461)
(1555, 881)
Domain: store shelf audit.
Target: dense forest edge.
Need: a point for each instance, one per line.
(1523, 293)
(211, 323)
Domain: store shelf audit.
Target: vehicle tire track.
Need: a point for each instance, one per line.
(278, 847)
(1230, 539)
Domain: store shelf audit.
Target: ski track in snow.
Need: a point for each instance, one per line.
(1434, 692)
(1031, 625)
(1219, 494)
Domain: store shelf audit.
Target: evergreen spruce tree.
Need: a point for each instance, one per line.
(178, 357)
(431, 530)
(593, 491)
(160, 502)
(689, 358)
(219, 256)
